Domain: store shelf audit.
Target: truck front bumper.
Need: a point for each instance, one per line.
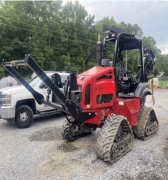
(7, 112)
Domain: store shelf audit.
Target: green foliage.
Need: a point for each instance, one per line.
(61, 37)
(105, 20)
(133, 29)
(78, 28)
(162, 64)
(163, 84)
(1, 72)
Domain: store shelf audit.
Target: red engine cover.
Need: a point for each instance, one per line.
(101, 82)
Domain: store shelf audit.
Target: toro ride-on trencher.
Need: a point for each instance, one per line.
(105, 96)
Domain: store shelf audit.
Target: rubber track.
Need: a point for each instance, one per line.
(66, 134)
(65, 131)
(143, 119)
(107, 136)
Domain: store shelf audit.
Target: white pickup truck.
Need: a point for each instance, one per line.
(18, 105)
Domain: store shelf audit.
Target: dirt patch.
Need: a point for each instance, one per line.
(67, 167)
(149, 176)
(67, 147)
(144, 161)
(47, 134)
(126, 177)
(62, 169)
(165, 150)
(70, 160)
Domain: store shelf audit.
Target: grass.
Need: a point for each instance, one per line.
(163, 84)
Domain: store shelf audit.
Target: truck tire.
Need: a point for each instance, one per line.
(24, 116)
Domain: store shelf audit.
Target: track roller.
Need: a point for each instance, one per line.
(115, 139)
(148, 126)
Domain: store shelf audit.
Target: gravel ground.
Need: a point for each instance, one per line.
(40, 153)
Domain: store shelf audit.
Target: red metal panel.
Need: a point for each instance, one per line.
(98, 86)
(95, 71)
(101, 114)
(83, 81)
(129, 108)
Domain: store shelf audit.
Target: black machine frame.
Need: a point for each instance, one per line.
(124, 41)
(67, 106)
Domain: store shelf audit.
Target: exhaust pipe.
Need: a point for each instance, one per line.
(99, 51)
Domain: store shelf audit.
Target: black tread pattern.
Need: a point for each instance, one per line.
(143, 120)
(67, 131)
(107, 136)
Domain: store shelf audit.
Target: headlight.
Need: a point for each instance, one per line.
(6, 99)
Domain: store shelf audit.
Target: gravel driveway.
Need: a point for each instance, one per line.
(40, 153)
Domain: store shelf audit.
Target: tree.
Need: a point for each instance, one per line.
(79, 32)
(60, 37)
(27, 27)
(132, 29)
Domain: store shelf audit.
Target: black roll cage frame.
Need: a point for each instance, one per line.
(124, 41)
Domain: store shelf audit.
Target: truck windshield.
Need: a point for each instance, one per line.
(34, 81)
(63, 79)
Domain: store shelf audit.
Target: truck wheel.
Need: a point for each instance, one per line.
(24, 116)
